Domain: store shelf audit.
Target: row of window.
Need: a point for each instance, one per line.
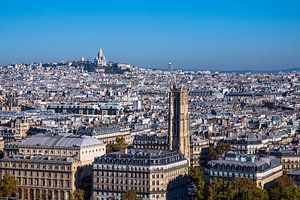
(121, 174)
(92, 151)
(42, 194)
(151, 147)
(291, 161)
(285, 166)
(34, 151)
(37, 166)
(122, 181)
(39, 174)
(127, 167)
(126, 188)
(230, 174)
(43, 182)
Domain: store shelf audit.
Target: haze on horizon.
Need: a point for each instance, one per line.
(215, 34)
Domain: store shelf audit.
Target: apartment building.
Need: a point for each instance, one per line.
(42, 177)
(51, 167)
(83, 148)
(153, 174)
(262, 170)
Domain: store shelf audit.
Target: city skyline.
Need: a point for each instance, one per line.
(150, 100)
(198, 35)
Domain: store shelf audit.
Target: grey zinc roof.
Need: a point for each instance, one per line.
(60, 141)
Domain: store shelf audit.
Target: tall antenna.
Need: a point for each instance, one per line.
(170, 66)
(173, 83)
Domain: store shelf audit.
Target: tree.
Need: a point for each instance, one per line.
(195, 174)
(284, 188)
(78, 194)
(196, 178)
(9, 186)
(246, 189)
(130, 195)
(217, 190)
(119, 145)
(219, 150)
(239, 188)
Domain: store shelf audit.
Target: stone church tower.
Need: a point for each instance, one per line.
(179, 136)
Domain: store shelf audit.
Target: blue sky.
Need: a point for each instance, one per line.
(212, 34)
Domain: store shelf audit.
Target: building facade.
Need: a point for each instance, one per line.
(82, 148)
(42, 177)
(262, 170)
(51, 167)
(153, 174)
(86, 109)
(290, 160)
(245, 145)
(199, 150)
(151, 141)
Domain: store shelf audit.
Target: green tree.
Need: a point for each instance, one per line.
(218, 190)
(130, 195)
(195, 174)
(78, 194)
(284, 188)
(216, 152)
(246, 189)
(9, 186)
(196, 178)
(119, 145)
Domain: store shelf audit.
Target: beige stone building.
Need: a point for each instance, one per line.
(179, 134)
(82, 148)
(51, 167)
(153, 174)
(21, 125)
(290, 162)
(42, 177)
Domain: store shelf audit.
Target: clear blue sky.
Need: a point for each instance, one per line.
(216, 34)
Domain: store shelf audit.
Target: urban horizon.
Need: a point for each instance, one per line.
(240, 69)
(150, 100)
(207, 34)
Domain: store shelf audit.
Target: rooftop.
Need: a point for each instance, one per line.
(60, 141)
(141, 157)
